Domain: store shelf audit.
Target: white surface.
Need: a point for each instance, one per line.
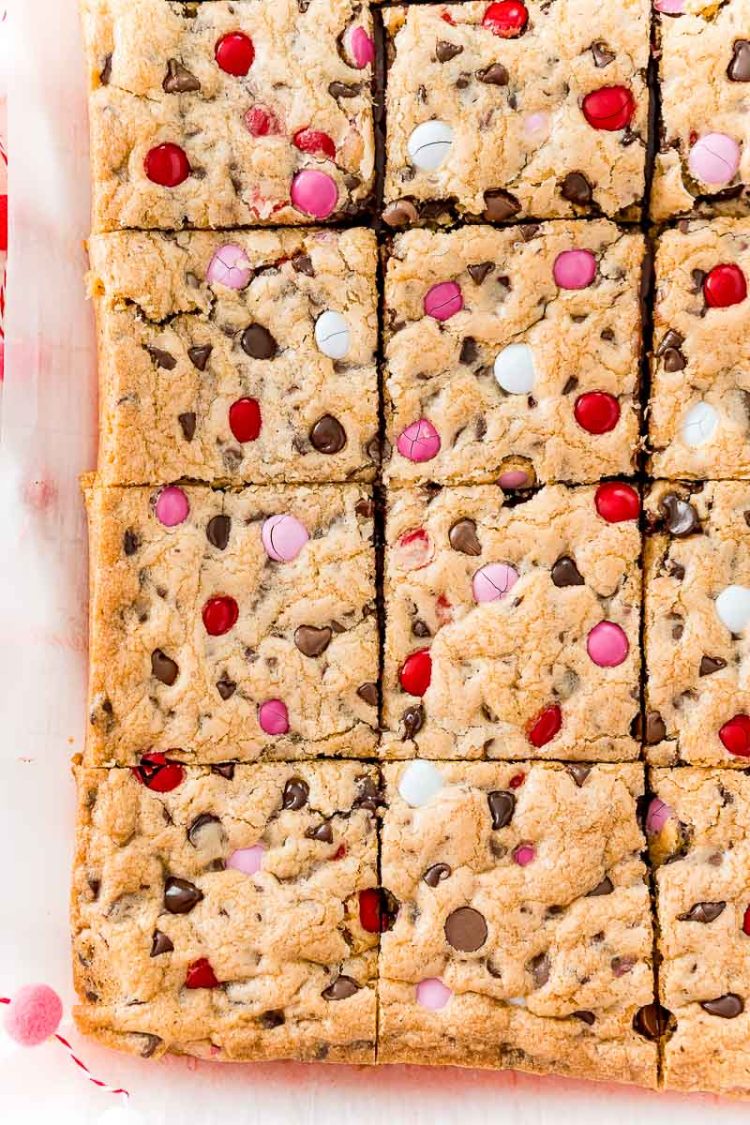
(48, 437)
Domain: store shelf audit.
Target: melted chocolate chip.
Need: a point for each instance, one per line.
(421, 629)
(579, 771)
(160, 943)
(258, 343)
(199, 356)
(606, 887)
(344, 89)
(180, 896)
(728, 1007)
(341, 989)
(217, 531)
(369, 693)
(328, 435)
(495, 75)
(225, 770)
(198, 825)
(178, 79)
(163, 667)
(711, 664)
(295, 795)
(226, 688)
(312, 641)
(463, 537)
(302, 263)
(271, 1019)
(436, 874)
(400, 213)
(576, 189)
(602, 54)
(652, 1021)
(469, 351)
(585, 1017)
(466, 929)
(500, 206)
(703, 912)
(370, 796)
(413, 720)
(161, 357)
(502, 806)
(130, 542)
(106, 72)
(446, 51)
(187, 425)
(566, 573)
(539, 968)
(323, 833)
(150, 1044)
(656, 729)
(680, 517)
(479, 271)
(739, 68)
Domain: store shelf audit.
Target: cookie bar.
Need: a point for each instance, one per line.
(227, 113)
(699, 418)
(698, 826)
(512, 630)
(703, 158)
(236, 356)
(697, 610)
(513, 354)
(231, 624)
(225, 912)
(471, 128)
(522, 935)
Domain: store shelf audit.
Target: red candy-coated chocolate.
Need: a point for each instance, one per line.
(220, 615)
(735, 735)
(724, 286)
(235, 53)
(377, 910)
(158, 773)
(616, 502)
(260, 122)
(416, 672)
(244, 419)
(508, 18)
(201, 975)
(610, 108)
(597, 412)
(517, 780)
(315, 143)
(746, 922)
(167, 165)
(545, 726)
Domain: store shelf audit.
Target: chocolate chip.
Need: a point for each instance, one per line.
(400, 213)
(680, 517)
(370, 796)
(711, 664)
(584, 1017)
(606, 887)
(328, 435)
(728, 1006)
(566, 573)
(225, 770)
(463, 537)
(178, 79)
(163, 667)
(295, 795)
(602, 54)
(369, 693)
(161, 357)
(180, 896)
(341, 989)
(495, 75)
(200, 822)
(421, 629)
(217, 531)
(622, 965)
(446, 51)
(436, 874)
(673, 359)
(500, 205)
(413, 720)
(199, 355)
(323, 833)
(502, 806)
(739, 68)
(579, 771)
(150, 1044)
(656, 729)
(187, 425)
(130, 542)
(344, 89)
(466, 929)
(539, 968)
(258, 343)
(160, 943)
(703, 912)
(469, 350)
(226, 688)
(106, 72)
(652, 1021)
(576, 189)
(302, 263)
(479, 271)
(312, 641)
(271, 1019)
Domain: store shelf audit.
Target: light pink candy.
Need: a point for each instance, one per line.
(229, 267)
(419, 442)
(493, 581)
(574, 269)
(247, 860)
(714, 158)
(33, 1014)
(670, 7)
(283, 537)
(433, 994)
(273, 717)
(607, 644)
(314, 193)
(514, 478)
(657, 816)
(444, 300)
(172, 506)
(524, 854)
(362, 48)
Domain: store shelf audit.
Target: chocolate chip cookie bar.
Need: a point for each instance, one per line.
(699, 418)
(236, 356)
(227, 113)
(472, 130)
(703, 158)
(231, 625)
(701, 818)
(227, 913)
(522, 933)
(512, 631)
(513, 354)
(697, 611)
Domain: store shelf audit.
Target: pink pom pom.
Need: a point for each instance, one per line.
(34, 1014)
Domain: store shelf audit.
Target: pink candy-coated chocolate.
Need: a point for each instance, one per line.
(247, 860)
(419, 442)
(607, 644)
(229, 267)
(33, 1015)
(574, 269)
(273, 717)
(362, 48)
(714, 158)
(443, 300)
(172, 506)
(433, 994)
(283, 537)
(493, 582)
(514, 478)
(657, 816)
(524, 854)
(670, 7)
(314, 193)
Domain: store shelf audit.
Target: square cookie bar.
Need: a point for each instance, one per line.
(513, 354)
(698, 825)
(522, 934)
(697, 612)
(699, 418)
(231, 624)
(703, 158)
(512, 630)
(236, 356)
(227, 113)
(223, 912)
(506, 110)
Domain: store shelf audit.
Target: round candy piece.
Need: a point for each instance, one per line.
(433, 994)
(611, 108)
(493, 582)
(545, 726)
(172, 506)
(360, 47)
(229, 267)
(247, 860)
(700, 424)
(314, 193)
(443, 300)
(746, 921)
(616, 502)
(670, 7)
(416, 672)
(419, 442)
(429, 145)
(220, 615)
(332, 334)
(245, 419)
(507, 18)
(273, 717)
(156, 772)
(733, 607)
(524, 854)
(574, 269)
(735, 735)
(714, 159)
(514, 369)
(657, 816)
(235, 53)
(724, 285)
(167, 165)
(420, 782)
(607, 645)
(33, 1014)
(315, 143)
(514, 479)
(261, 122)
(283, 537)
(597, 412)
